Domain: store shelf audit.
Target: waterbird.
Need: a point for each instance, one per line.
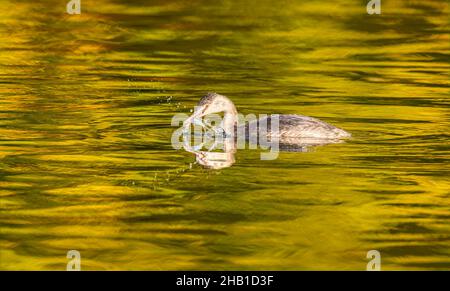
(294, 131)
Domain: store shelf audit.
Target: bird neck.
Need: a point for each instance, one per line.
(230, 119)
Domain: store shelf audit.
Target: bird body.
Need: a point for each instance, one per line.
(290, 127)
(299, 126)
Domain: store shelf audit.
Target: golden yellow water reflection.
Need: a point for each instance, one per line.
(86, 161)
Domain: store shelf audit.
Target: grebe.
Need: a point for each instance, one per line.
(292, 129)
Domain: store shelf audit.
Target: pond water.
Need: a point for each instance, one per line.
(86, 161)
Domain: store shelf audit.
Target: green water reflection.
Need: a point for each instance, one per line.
(86, 160)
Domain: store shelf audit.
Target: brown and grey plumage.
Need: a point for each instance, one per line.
(292, 130)
(300, 126)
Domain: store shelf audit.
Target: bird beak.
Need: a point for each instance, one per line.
(194, 118)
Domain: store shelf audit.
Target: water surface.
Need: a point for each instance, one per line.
(86, 161)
